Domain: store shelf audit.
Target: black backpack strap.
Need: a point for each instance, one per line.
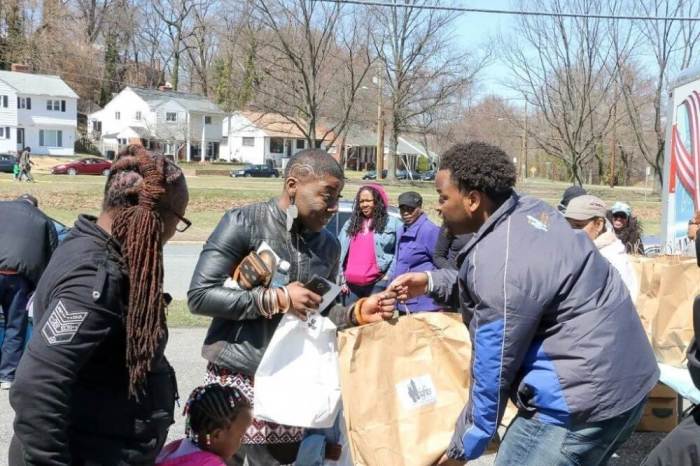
(693, 350)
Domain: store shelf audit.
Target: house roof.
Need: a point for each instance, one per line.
(363, 137)
(190, 102)
(277, 126)
(38, 84)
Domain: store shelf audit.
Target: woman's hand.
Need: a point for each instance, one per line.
(409, 285)
(302, 300)
(378, 307)
(344, 290)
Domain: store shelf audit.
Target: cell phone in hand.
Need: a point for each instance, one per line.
(318, 285)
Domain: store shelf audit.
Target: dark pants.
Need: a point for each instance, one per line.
(681, 447)
(363, 291)
(530, 442)
(14, 294)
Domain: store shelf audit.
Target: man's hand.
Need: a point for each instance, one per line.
(410, 285)
(303, 300)
(378, 307)
(445, 461)
(344, 290)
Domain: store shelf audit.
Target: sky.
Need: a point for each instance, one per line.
(476, 28)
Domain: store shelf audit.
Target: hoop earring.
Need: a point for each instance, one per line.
(292, 214)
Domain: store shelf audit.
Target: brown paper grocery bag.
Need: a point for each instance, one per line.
(647, 302)
(679, 283)
(404, 383)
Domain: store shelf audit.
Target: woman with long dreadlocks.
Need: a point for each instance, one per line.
(368, 243)
(94, 387)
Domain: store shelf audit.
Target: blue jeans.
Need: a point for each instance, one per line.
(14, 294)
(530, 442)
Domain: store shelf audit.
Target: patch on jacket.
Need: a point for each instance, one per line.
(539, 224)
(62, 325)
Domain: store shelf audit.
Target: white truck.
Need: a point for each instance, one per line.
(681, 189)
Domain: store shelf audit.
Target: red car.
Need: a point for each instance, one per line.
(86, 166)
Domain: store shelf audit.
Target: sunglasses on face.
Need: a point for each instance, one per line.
(407, 209)
(182, 223)
(620, 216)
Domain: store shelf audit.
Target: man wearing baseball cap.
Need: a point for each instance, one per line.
(415, 245)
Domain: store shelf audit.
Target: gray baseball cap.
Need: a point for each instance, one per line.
(586, 207)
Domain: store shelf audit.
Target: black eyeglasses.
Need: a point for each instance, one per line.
(183, 224)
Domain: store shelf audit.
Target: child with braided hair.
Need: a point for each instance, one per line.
(217, 418)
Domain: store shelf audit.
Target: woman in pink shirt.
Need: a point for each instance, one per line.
(367, 241)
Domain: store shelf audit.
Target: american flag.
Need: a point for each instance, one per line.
(687, 162)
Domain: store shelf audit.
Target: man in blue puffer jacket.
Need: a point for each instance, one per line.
(552, 324)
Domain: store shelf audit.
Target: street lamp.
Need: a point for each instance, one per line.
(379, 165)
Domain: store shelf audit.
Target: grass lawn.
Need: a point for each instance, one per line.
(64, 197)
(180, 316)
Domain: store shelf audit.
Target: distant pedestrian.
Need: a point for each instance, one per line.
(25, 165)
(415, 245)
(27, 240)
(627, 227)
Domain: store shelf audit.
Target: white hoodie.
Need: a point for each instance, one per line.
(614, 251)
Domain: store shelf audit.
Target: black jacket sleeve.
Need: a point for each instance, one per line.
(223, 251)
(442, 250)
(72, 328)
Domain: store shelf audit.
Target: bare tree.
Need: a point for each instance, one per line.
(671, 44)
(92, 15)
(203, 41)
(565, 69)
(424, 71)
(175, 15)
(312, 60)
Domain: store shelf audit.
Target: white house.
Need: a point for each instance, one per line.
(177, 123)
(258, 138)
(39, 111)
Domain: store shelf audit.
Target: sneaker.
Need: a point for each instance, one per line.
(5, 385)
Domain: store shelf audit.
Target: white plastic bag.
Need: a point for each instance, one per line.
(298, 380)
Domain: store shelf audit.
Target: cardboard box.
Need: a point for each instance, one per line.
(661, 413)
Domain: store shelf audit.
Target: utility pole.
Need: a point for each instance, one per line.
(525, 143)
(380, 128)
(614, 146)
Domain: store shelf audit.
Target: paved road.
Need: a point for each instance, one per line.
(179, 260)
(183, 352)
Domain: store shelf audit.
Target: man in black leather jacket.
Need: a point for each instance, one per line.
(293, 226)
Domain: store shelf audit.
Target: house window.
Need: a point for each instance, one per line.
(5, 101)
(248, 142)
(97, 126)
(318, 143)
(121, 141)
(300, 143)
(50, 138)
(5, 132)
(207, 120)
(137, 117)
(117, 115)
(24, 102)
(171, 116)
(276, 145)
(56, 105)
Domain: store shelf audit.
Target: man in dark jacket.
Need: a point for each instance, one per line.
(27, 240)
(552, 325)
(447, 249)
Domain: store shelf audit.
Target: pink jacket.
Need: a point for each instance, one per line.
(184, 452)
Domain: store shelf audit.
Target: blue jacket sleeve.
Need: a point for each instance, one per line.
(503, 325)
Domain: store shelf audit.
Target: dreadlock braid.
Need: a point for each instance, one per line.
(136, 185)
(212, 407)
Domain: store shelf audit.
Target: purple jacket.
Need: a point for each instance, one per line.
(415, 246)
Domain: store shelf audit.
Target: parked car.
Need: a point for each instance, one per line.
(428, 176)
(258, 171)
(86, 166)
(7, 162)
(344, 211)
(372, 175)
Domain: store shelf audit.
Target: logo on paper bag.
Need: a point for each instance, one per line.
(417, 392)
